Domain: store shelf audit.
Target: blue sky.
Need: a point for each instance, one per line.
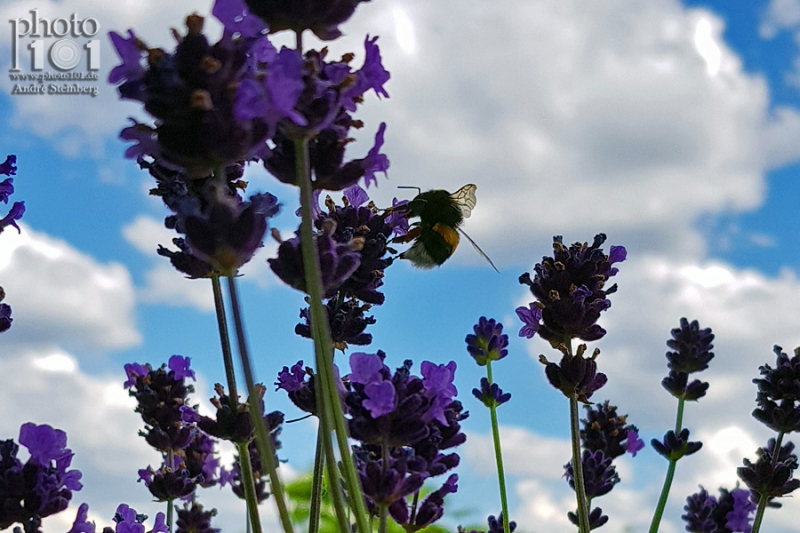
(671, 126)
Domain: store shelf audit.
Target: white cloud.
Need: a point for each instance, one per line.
(573, 118)
(780, 14)
(60, 296)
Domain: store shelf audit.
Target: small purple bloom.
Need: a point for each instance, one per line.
(180, 366)
(633, 444)
(9, 166)
(130, 71)
(127, 520)
(365, 368)
(292, 380)
(6, 189)
(161, 524)
(739, 519)
(491, 395)
(356, 196)
(375, 161)
(530, 316)
(17, 210)
(489, 343)
(381, 398)
(133, 371)
(44, 443)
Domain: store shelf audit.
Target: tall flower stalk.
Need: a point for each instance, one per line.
(570, 293)
(487, 344)
(691, 353)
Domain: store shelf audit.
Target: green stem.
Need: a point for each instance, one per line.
(764, 498)
(224, 339)
(498, 456)
(263, 440)
(577, 467)
(316, 485)
(248, 482)
(322, 337)
(383, 509)
(662, 499)
(245, 464)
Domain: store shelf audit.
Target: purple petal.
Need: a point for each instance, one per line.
(365, 368)
(381, 398)
(375, 161)
(43, 442)
(356, 196)
(530, 316)
(180, 366)
(617, 254)
(236, 18)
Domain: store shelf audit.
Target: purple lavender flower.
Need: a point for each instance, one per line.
(575, 375)
(127, 520)
(193, 519)
(43, 486)
(691, 353)
(491, 395)
(673, 446)
(301, 392)
(160, 396)
(234, 478)
(771, 475)
(606, 430)
(633, 443)
(599, 474)
(531, 317)
(727, 514)
(9, 166)
(167, 483)
(320, 16)
(570, 291)
(401, 419)
(337, 263)
(189, 94)
(778, 395)
(16, 212)
(489, 343)
(596, 518)
(347, 320)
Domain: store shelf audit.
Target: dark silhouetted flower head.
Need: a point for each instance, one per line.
(337, 263)
(491, 395)
(193, 519)
(570, 291)
(675, 446)
(778, 395)
(771, 475)
(320, 16)
(605, 430)
(691, 353)
(575, 375)
(596, 518)
(41, 487)
(161, 395)
(691, 347)
(488, 343)
(599, 474)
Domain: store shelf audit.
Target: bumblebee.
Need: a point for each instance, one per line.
(435, 235)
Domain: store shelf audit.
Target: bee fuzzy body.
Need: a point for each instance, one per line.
(436, 234)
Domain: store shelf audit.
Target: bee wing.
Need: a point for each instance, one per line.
(465, 199)
(478, 248)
